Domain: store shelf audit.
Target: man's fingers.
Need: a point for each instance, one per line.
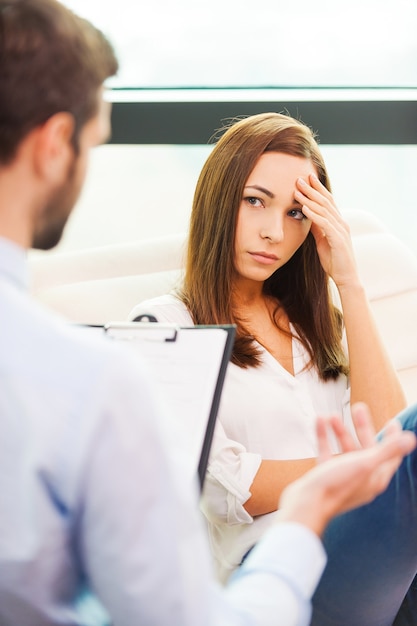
(389, 455)
(332, 429)
(390, 428)
(397, 444)
(324, 450)
(363, 424)
(345, 439)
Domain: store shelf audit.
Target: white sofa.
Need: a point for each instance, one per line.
(100, 285)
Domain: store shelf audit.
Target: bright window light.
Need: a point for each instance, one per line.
(268, 43)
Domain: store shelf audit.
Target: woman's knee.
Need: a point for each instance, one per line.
(408, 418)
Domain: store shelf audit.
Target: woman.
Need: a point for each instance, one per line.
(266, 246)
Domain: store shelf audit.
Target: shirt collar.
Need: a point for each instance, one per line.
(13, 263)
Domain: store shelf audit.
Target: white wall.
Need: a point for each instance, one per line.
(135, 192)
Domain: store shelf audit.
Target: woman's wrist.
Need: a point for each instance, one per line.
(351, 287)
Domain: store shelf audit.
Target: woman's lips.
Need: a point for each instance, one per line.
(264, 258)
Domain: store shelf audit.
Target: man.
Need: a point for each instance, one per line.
(88, 499)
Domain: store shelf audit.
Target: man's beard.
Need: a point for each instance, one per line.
(49, 237)
(48, 231)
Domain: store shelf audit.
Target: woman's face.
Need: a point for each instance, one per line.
(270, 224)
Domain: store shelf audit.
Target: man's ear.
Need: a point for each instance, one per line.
(53, 147)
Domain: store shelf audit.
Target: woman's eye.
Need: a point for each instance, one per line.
(253, 201)
(297, 214)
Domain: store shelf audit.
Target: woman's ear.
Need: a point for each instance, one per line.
(53, 149)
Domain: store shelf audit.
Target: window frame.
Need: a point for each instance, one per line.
(339, 117)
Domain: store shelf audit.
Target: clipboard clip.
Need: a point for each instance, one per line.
(169, 332)
(147, 317)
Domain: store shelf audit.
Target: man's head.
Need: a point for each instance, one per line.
(52, 67)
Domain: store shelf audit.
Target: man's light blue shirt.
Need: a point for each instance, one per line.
(89, 500)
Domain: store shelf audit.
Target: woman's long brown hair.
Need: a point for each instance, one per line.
(301, 286)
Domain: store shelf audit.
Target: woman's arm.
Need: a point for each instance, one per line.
(271, 480)
(372, 376)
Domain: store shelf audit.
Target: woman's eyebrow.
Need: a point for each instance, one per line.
(261, 189)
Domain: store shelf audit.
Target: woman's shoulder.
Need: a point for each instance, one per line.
(167, 308)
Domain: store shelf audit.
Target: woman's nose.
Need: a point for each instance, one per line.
(273, 230)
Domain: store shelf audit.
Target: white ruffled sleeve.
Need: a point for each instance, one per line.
(229, 476)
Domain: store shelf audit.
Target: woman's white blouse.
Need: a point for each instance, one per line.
(265, 413)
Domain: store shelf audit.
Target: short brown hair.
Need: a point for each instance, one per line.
(51, 60)
(301, 286)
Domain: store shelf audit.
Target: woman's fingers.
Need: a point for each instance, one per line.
(330, 231)
(316, 184)
(315, 196)
(320, 206)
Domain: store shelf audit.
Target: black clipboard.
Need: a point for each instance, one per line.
(189, 367)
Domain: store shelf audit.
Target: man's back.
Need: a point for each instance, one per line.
(78, 466)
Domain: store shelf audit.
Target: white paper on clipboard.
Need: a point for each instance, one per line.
(188, 366)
